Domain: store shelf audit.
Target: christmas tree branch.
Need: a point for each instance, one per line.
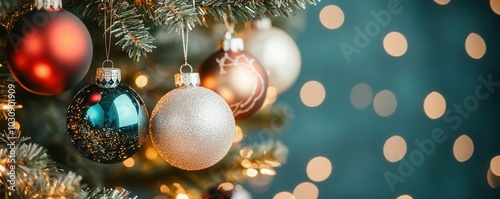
(134, 37)
(26, 171)
(273, 119)
(106, 194)
(6, 5)
(179, 14)
(11, 10)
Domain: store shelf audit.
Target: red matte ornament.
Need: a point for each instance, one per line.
(49, 52)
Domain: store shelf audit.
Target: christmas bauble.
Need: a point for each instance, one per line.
(237, 76)
(49, 52)
(227, 190)
(192, 127)
(277, 52)
(107, 121)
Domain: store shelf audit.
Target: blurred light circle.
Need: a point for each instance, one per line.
(394, 148)
(475, 46)
(463, 148)
(306, 190)
(331, 17)
(404, 197)
(442, 2)
(284, 195)
(312, 94)
(434, 105)
(495, 165)
(319, 169)
(495, 6)
(395, 44)
(141, 81)
(385, 103)
(361, 96)
(493, 180)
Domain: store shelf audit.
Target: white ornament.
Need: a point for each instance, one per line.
(276, 51)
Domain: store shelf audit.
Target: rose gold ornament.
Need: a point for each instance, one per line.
(237, 76)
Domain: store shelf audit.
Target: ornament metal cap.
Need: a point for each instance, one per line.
(262, 24)
(108, 77)
(48, 4)
(187, 79)
(231, 43)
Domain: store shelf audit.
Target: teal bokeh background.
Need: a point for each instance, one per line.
(436, 60)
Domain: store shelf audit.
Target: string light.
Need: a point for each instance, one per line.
(129, 162)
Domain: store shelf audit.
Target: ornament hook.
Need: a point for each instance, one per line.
(107, 31)
(188, 65)
(229, 26)
(108, 61)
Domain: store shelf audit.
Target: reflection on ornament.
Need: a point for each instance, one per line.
(276, 51)
(192, 127)
(49, 52)
(107, 121)
(237, 77)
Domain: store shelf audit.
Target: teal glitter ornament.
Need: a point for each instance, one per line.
(107, 121)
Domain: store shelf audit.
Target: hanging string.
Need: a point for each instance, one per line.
(107, 32)
(229, 26)
(185, 44)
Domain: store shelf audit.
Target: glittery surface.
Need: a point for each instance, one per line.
(107, 125)
(192, 127)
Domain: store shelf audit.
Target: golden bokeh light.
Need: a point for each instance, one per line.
(395, 44)
(395, 148)
(361, 96)
(267, 171)
(495, 6)
(251, 172)
(312, 94)
(442, 2)
(475, 46)
(463, 148)
(181, 196)
(284, 195)
(161, 197)
(495, 165)
(331, 16)
(271, 96)
(385, 103)
(404, 197)
(129, 162)
(226, 186)
(306, 190)
(493, 180)
(164, 188)
(434, 105)
(151, 153)
(141, 81)
(319, 169)
(238, 135)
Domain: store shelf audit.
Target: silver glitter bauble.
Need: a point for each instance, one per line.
(276, 51)
(107, 121)
(192, 127)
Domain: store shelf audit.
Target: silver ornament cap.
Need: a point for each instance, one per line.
(47, 4)
(187, 79)
(262, 24)
(108, 77)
